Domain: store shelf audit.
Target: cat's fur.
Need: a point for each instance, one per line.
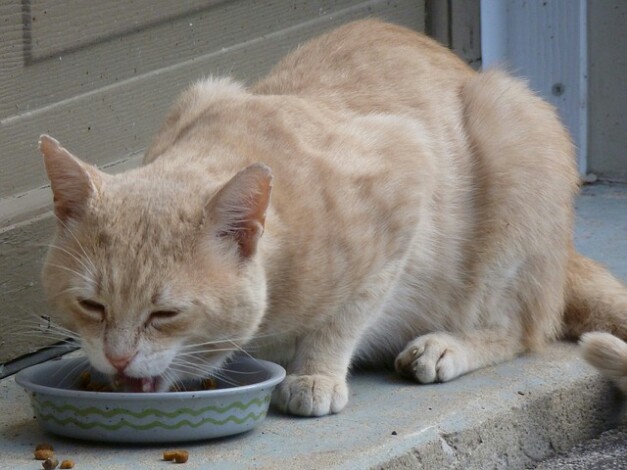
(421, 215)
(608, 354)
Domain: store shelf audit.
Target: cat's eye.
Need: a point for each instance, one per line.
(92, 307)
(163, 314)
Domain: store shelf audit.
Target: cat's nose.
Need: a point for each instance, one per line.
(119, 362)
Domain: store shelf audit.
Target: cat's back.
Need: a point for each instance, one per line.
(356, 72)
(371, 66)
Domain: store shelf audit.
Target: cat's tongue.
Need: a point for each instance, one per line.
(135, 384)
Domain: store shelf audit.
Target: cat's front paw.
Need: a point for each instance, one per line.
(311, 395)
(436, 357)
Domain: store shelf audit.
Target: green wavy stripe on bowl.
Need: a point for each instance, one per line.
(151, 425)
(48, 405)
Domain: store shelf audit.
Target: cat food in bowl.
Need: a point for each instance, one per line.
(63, 407)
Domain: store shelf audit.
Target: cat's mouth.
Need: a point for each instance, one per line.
(139, 384)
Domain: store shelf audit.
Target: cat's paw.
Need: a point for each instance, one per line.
(436, 357)
(311, 395)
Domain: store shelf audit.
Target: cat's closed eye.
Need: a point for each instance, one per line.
(160, 318)
(92, 308)
(163, 315)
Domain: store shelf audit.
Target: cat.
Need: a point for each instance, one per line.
(373, 200)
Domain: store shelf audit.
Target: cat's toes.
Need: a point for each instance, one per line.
(311, 395)
(436, 357)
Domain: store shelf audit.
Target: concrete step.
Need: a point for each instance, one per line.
(508, 416)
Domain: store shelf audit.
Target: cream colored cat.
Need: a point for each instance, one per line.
(421, 214)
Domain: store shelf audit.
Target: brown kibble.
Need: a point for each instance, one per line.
(204, 384)
(85, 378)
(179, 456)
(44, 446)
(67, 464)
(43, 454)
(88, 384)
(50, 463)
(209, 384)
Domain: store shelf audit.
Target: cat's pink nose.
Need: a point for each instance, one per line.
(119, 362)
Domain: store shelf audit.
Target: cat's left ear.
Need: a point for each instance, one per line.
(238, 210)
(72, 181)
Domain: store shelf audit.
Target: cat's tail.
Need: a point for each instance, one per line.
(608, 354)
(597, 302)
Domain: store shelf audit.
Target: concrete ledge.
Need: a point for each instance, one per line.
(508, 416)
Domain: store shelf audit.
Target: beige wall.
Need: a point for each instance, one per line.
(99, 76)
(607, 88)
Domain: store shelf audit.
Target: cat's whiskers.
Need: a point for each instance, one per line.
(171, 378)
(216, 372)
(34, 334)
(62, 331)
(40, 326)
(191, 366)
(80, 245)
(202, 374)
(186, 374)
(70, 370)
(178, 367)
(243, 351)
(226, 379)
(205, 343)
(209, 369)
(229, 340)
(86, 278)
(202, 352)
(72, 254)
(77, 289)
(49, 324)
(44, 325)
(200, 369)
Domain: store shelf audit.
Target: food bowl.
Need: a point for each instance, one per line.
(239, 403)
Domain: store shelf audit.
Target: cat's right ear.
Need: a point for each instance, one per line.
(238, 211)
(71, 181)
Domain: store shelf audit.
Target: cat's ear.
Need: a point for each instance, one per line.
(238, 210)
(71, 181)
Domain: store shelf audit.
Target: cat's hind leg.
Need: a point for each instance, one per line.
(526, 179)
(440, 357)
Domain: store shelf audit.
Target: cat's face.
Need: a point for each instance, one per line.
(160, 282)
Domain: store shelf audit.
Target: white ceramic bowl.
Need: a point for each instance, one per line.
(149, 417)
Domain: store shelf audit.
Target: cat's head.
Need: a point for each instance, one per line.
(160, 279)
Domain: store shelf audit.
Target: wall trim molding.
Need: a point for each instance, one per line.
(546, 43)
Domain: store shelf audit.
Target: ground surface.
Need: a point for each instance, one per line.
(607, 452)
